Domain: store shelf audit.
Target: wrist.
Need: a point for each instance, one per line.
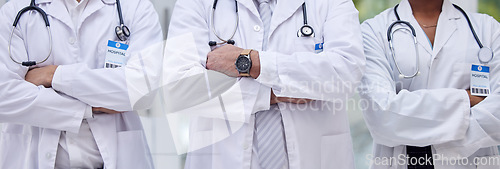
(50, 75)
(255, 70)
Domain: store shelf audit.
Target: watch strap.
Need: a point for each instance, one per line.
(245, 52)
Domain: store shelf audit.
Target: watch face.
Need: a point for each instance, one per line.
(243, 64)
(307, 30)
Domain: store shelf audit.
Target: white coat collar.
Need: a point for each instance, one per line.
(447, 25)
(282, 11)
(57, 9)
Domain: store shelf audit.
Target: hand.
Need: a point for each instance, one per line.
(275, 100)
(41, 76)
(104, 110)
(474, 99)
(223, 58)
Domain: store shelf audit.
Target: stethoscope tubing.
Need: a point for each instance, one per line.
(417, 58)
(390, 35)
(32, 7)
(223, 41)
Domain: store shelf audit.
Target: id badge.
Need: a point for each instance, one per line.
(480, 80)
(116, 55)
(318, 48)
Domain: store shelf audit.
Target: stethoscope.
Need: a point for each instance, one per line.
(304, 31)
(122, 31)
(485, 54)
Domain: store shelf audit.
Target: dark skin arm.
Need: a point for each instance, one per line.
(474, 99)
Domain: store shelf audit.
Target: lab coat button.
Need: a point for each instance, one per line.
(48, 155)
(256, 28)
(246, 146)
(72, 40)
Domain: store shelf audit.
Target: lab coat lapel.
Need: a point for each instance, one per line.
(406, 14)
(92, 7)
(447, 26)
(58, 10)
(283, 11)
(250, 6)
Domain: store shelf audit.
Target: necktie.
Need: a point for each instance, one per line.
(265, 15)
(270, 139)
(417, 153)
(269, 128)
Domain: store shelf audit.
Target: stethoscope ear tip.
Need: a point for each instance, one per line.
(212, 43)
(29, 63)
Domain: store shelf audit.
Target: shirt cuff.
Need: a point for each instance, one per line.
(268, 69)
(88, 113)
(263, 99)
(60, 79)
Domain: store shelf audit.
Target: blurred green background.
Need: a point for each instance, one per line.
(370, 8)
(491, 7)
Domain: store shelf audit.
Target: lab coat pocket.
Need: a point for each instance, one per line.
(132, 151)
(336, 152)
(303, 44)
(462, 71)
(101, 55)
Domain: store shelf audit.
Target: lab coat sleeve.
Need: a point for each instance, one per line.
(114, 88)
(485, 116)
(22, 102)
(330, 75)
(419, 118)
(185, 60)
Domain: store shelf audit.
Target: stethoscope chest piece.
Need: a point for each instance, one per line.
(122, 32)
(306, 31)
(485, 55)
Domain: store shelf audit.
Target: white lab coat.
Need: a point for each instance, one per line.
(432, 108)
(34, 116)
(317, 134)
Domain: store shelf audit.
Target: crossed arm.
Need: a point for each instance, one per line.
(44, 75)
(222, 60)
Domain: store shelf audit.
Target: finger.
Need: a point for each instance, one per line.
(104, 110)
(109, 111)
(113, 112)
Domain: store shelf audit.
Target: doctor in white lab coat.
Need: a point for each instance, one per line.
(433, 108)
(316, 131)
(48, 121)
